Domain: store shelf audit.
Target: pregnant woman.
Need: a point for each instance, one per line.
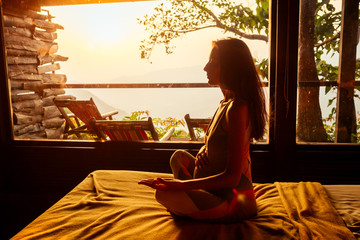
(216, 184)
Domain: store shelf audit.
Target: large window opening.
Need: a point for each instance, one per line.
(102, 56)
(328, 92)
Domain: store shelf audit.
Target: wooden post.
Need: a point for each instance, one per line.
(346, 114)
(287, 22)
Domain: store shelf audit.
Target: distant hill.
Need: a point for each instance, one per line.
(159, 102)
(82, 94)
(177, 75)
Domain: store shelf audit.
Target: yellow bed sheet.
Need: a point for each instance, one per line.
(111, 205)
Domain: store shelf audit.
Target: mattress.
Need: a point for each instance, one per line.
(346, 200)
(111, 205)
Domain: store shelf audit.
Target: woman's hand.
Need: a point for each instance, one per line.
(164, 184)
(201, 158)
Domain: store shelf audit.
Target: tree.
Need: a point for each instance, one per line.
(175, 18)
(328, 22)
(318, 36)
(310, 125)
(346, 114)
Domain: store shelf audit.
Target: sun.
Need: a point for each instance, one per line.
(105, 26)
(104, 31)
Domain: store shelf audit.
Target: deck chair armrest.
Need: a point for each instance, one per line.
(109, 114)
(101, 135)
(167, 135)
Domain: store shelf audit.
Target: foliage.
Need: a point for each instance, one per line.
(179, 133)
(199, 132)
(162, 126)
(329, 124)
(263, 67)
(137, 116)
(327, 26)
(82, 135)
(358, 128)
(174, 18)
(327, 43)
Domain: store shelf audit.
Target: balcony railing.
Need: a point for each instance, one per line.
(174, 85)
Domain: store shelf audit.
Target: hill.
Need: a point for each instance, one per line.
(175, 75)
(82, 94)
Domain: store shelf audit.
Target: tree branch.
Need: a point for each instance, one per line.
(328, 40)
(190, 30)
(219, 24)
(208, 11)
(245, 35)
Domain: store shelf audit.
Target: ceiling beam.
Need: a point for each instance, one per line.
(77, 2)
(37, 4)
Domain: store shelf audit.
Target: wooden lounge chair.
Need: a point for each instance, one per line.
(196, 123)
(130, 131)
(83, 111)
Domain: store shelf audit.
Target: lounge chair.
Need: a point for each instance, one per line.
(196, 123)
(130, 131)
(82, 111)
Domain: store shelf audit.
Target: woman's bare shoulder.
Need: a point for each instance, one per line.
(237, 108)
(236, 114)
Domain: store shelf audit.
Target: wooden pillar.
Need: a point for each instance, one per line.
(346, 114)
(5, 105)
(285, 88)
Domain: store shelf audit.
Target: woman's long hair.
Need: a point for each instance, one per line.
(239, 74)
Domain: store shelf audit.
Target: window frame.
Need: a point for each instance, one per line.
(284, 19)
(8, 125)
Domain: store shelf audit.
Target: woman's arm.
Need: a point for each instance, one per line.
(235, 124)
(201, 159)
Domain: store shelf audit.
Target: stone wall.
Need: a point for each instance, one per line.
(32, 61)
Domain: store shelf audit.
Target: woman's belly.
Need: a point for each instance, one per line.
(211, 168)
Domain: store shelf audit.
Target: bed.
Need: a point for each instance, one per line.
(110, 204)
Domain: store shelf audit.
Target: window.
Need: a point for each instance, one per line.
(328, 92)
(95, 54)
(283, 158)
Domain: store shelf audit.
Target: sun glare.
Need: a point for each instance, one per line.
(106, 25)
(100, 38)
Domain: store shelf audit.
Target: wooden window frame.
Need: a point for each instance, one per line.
(282, 148)
(7, 124)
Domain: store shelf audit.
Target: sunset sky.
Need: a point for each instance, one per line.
(102, 42)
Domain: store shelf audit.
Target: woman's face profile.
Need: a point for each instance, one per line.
(212, 68)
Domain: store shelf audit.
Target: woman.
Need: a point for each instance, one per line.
(216, 185)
